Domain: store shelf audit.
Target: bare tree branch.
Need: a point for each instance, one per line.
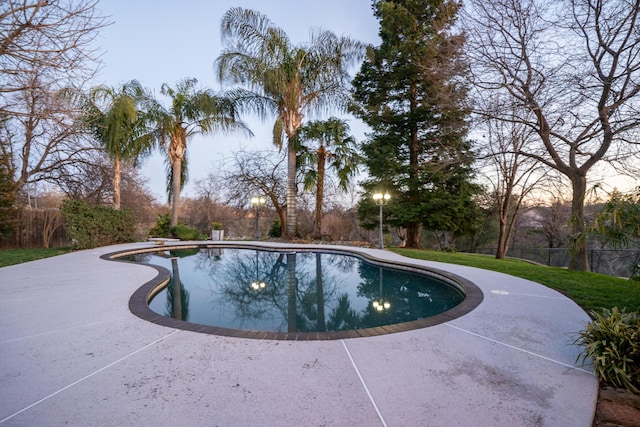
(571, 71)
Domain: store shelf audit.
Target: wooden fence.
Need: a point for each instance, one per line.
(37, 228)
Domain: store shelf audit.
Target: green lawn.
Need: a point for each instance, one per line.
(17, 256)
(590, 290)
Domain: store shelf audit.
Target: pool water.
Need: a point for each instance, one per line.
(292, 292)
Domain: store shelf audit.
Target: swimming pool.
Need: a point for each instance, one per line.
(294, 294)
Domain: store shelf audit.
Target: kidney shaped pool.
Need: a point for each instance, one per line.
(295, 295)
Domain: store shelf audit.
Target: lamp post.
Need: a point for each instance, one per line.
(381, 200)
(257, 201)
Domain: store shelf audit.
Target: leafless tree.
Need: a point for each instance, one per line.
(551, 221)
(46, 141)
(571, 71)
(88, 180)
(511, 175)
(210, 192)
(45, 48)
(261, 172)
(54, 37)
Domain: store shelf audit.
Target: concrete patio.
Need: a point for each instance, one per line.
(73, 354)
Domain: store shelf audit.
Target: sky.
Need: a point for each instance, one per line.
(164, 41)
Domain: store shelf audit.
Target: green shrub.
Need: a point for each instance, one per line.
(612, 343)
(276, 229)
(162, 227)
(183, 232)
(90, 226)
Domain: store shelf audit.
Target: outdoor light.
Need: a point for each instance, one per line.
(258, 285)
(381, 200)
(381, 305)
(257, 201)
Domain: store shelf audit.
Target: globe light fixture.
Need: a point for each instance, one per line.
(381, 199)
(381, 305)
(256, 286)
(257, 201)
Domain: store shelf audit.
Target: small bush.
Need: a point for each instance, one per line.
(276, 229)
(612, 343)
(183, 232)
(162, 228)
(90, 226)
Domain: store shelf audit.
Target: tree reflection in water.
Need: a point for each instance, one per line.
(297, 292)
(300, 303)
(177, 305)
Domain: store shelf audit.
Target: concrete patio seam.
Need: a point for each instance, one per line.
(364, 384)
(520, 349)
(88, 376)
(56, 331)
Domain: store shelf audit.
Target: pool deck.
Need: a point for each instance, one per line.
(73, 354)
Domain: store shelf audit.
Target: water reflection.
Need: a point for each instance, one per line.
(293, 292)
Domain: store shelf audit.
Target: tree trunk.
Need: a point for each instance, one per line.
(290, 231)
(413, 235)
(578, 250)
(502, 242)
(317, 228)
(322, 324)
(283, 218)
(116, 182)
(504, 208)
(413, 228)
(176, 309)
(291, 293)
(175, 199)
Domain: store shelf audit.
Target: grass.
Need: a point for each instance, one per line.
(592, 291)
(17, 256)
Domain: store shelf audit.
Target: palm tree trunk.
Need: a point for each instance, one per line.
(317, 229)
(175, 199)
(291, 293)
(291, 191)
(116, 182)
(321, 326)
(176, 309)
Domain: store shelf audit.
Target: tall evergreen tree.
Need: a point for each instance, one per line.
(8, 191)
(411, 91)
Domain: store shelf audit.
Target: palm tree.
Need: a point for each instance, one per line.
(116, 122)
(334, 144)
(284, 80)
(192, 111)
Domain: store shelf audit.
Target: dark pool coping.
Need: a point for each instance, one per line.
(139, 301)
